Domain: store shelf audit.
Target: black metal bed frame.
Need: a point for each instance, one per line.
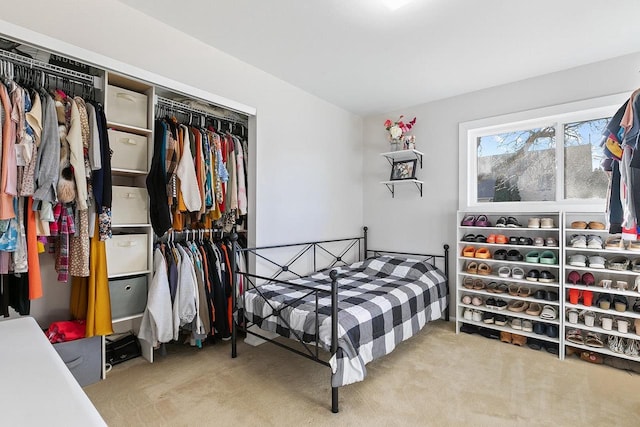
(311, 351)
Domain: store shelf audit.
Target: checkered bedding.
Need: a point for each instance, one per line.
(382, 301)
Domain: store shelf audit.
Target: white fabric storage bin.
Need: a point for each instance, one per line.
(129, 205)
(126, 253)
(126, 107)
(129, 151)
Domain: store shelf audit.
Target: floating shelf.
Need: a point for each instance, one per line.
(403, 155)
(391, 184)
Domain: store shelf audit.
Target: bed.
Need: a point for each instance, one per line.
(357, 310)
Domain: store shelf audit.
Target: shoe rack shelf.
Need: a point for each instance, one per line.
(632, 318)
(554, 326)
(400, 155)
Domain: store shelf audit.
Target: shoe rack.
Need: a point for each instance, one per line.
(600, 296)
(504, 295)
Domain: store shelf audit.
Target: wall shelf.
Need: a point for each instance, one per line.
(391, 185)
(392, 156)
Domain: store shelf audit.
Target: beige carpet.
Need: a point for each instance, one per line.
(436, 378)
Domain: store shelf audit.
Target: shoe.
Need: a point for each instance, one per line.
(490, 303)
(551, 331)
(538, 328)
(514, 255)
(578, 241)
(534, 344)
(575, 336)
(466, 299)
(501, 304)
(468, 282)
(525, 241)
(478, 285)
(579, 225)
(614, 242)
(572, 316)
(469, 251)
(617, 263)
(594, 242)
(484, 269)
(491, 238)
(551, 348)
(551, 296)
(591, 357)
(472, 267)
(501, 222)
(513, 240)
(500, 320)
(578, 260)
(539, 294)
(492, 287)
(468, 329)
(527, 326)
(533, 223)
(488, 318)
(468, 221)
(593, 339)
(574, 277)
(546, 223)
(483, 253)
(533, 257)
(588, 279)
(620, 303)
(551, 242)
(504, 272)
(574, 296)
(534, 309)
(482, 221)
(512, 222)
(518, 306)
(516, 324)
(538, 241)
(604, 301)
(501, 239)
(519, 340)
(587, 298)
(500, 254)
(477, 301)
(548, 313)
(477, 316)
(595, 225)
(468, 314)
(481, 239)
(546, 277)
(533, 275)
(517, 273)
(598, 262)
(547, 257)
(505, 337)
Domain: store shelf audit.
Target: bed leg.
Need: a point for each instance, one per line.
(334, 400)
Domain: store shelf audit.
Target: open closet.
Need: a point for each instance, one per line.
(155, 166)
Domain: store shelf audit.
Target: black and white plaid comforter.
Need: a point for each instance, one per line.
(382, 302)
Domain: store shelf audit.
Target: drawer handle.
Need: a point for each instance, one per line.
(127, 288)
(129, 141)
(128, 244)
(126, 96)
(130, 196)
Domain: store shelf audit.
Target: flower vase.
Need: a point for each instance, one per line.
(396, 145)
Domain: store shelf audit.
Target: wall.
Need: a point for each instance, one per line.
(408, 222)
(309, 152)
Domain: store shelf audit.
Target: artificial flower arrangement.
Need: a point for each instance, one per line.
(398, 128)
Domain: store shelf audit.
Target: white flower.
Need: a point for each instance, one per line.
(395, 132)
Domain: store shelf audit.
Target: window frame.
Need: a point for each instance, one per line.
(557, 116)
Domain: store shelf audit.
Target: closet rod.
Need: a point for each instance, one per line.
(51, 69)
(184, 108)
(193, 231)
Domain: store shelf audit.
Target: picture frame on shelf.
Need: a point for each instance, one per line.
(403, 169)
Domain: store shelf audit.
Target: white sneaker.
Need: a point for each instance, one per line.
(468, 314)
(477, 316)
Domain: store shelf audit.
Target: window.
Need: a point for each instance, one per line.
(536, 157)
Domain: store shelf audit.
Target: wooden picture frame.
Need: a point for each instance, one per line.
(404, 169)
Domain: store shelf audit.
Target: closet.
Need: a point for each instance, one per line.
(132, 107)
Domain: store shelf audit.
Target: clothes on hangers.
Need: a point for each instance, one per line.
(201, 303)
(53, 146)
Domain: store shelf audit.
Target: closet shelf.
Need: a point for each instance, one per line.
(391, 185)
(128, 128)
(598, 289)
(126, 318)
(131, 225)
(599, 330)
(610, 312)
(130, 273)
(129, 172)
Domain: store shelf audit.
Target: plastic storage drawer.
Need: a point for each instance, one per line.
(128, 296)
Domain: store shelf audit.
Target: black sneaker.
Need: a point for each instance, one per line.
(488, 317)
(500, 320)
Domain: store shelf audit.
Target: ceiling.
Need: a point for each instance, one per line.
(365, 58)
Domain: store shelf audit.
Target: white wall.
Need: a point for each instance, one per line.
(309, 152)
(408, 222)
